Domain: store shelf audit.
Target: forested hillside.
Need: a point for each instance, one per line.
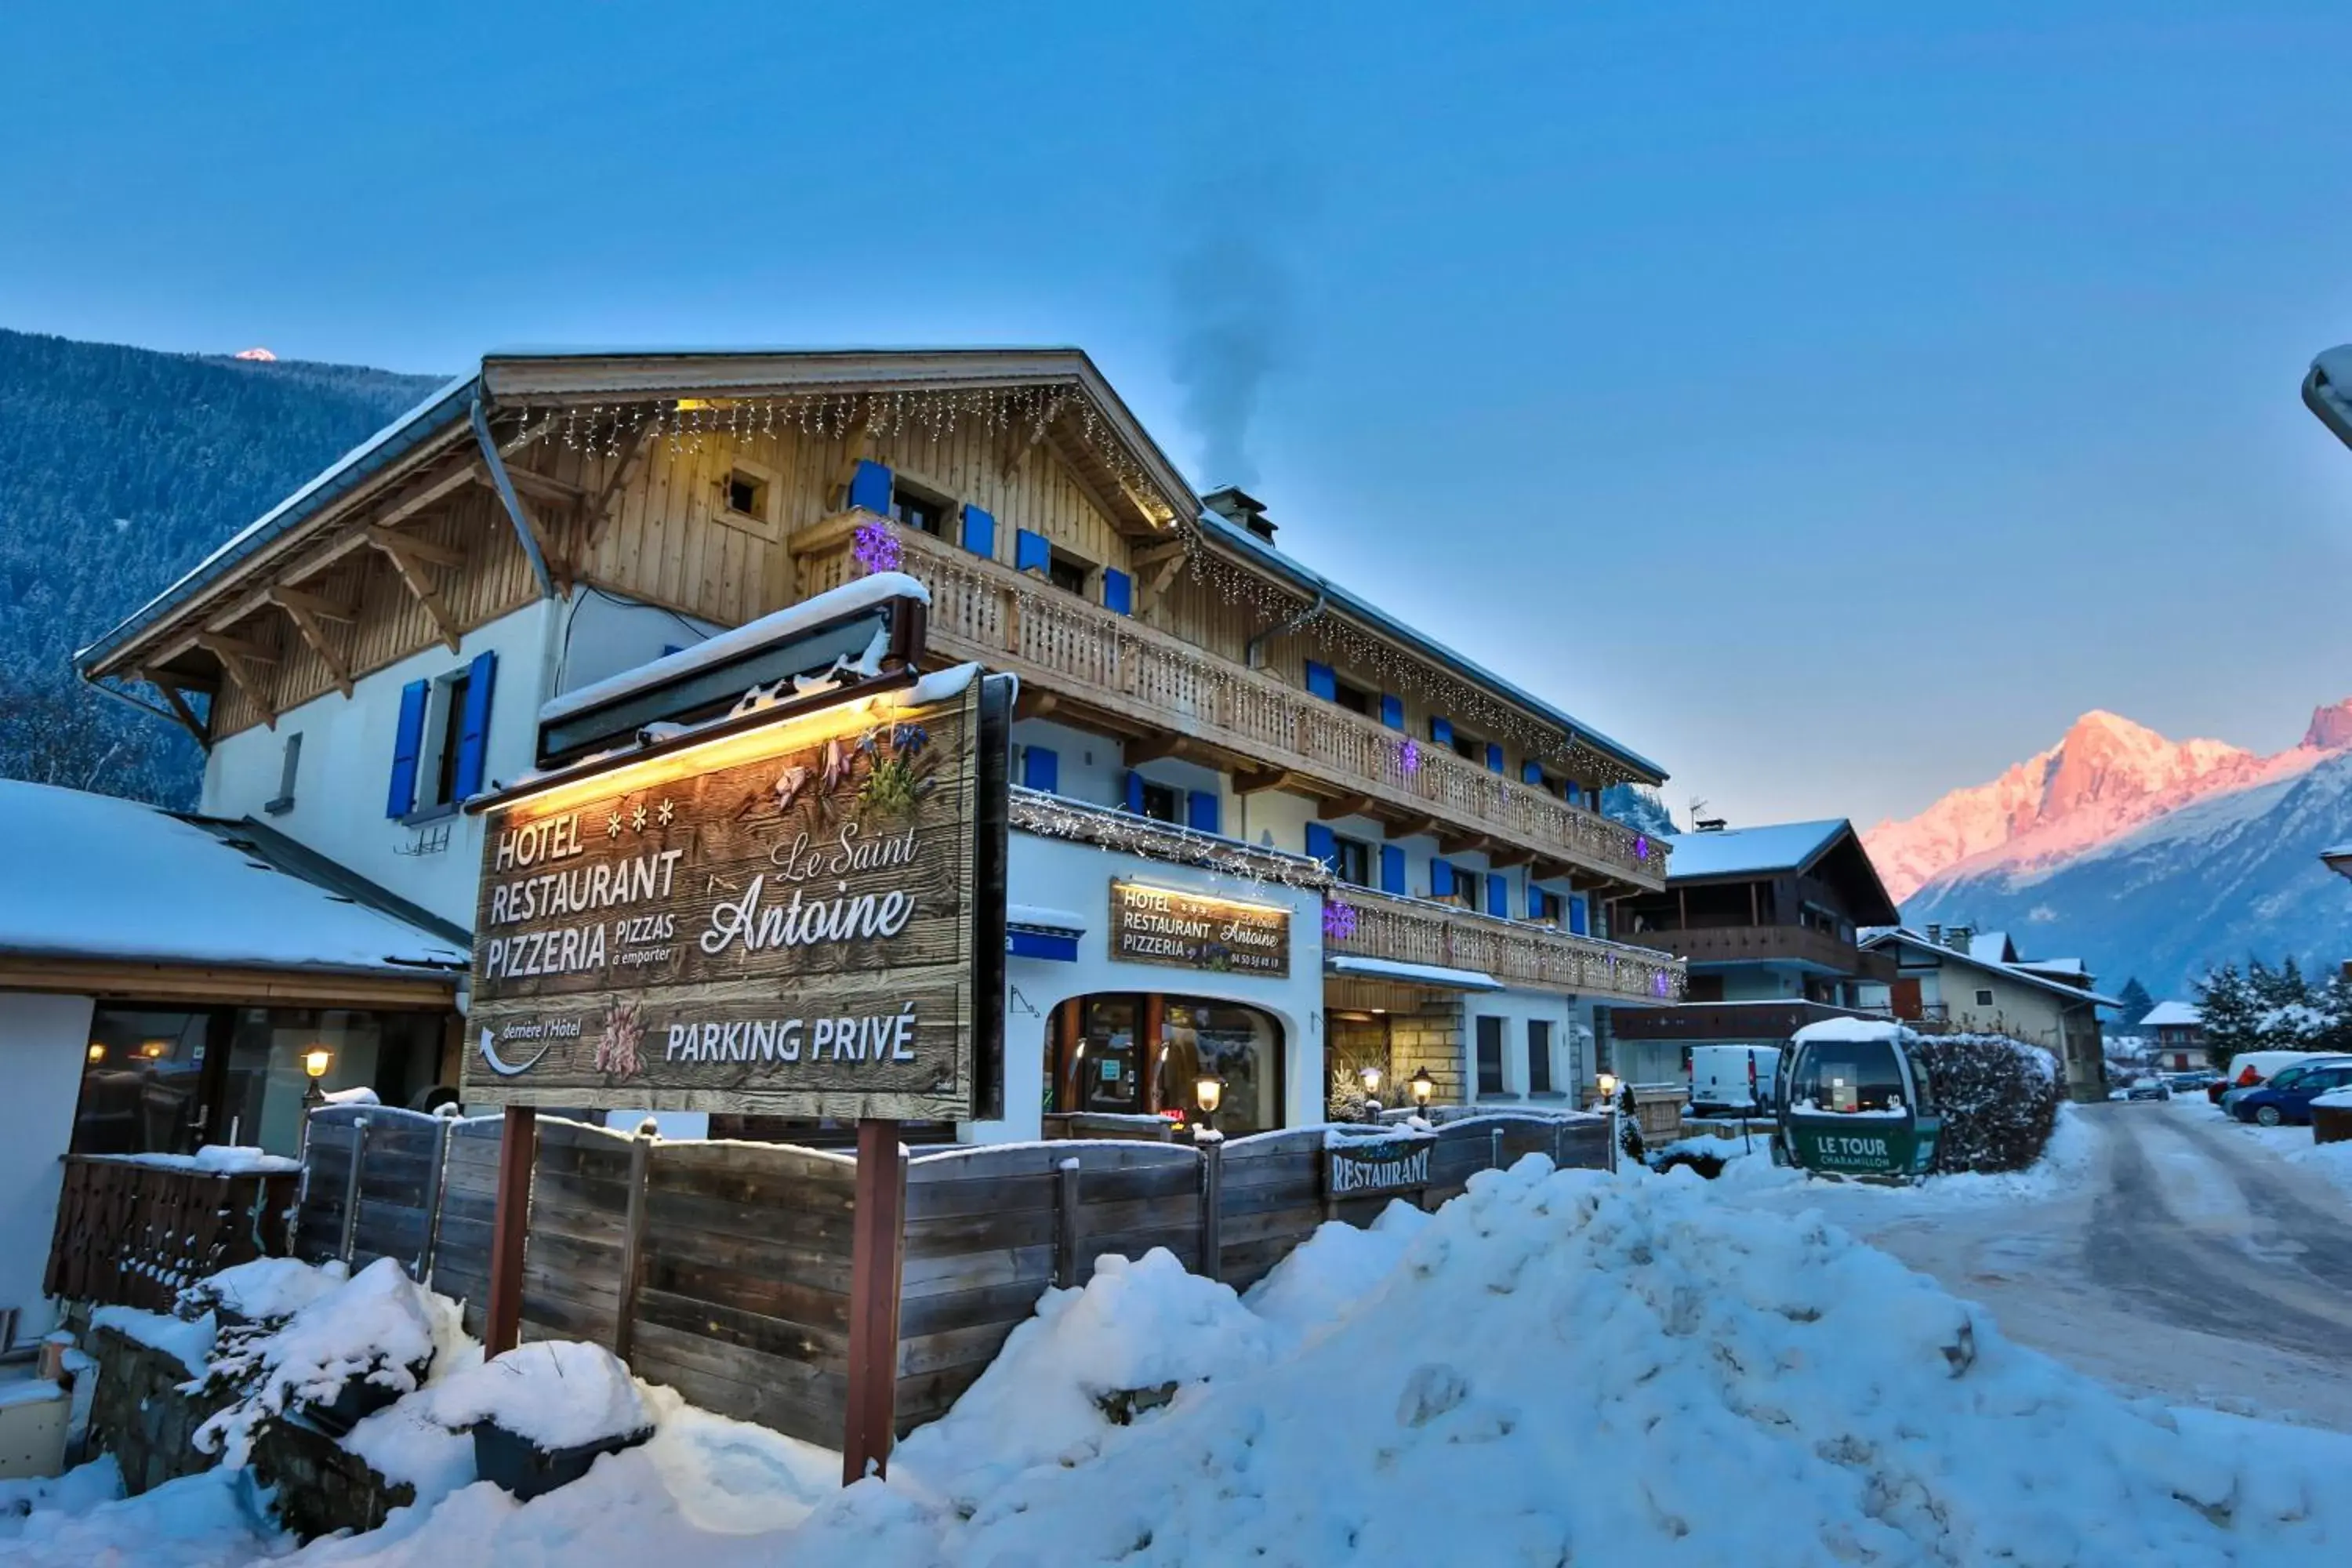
(120, 468)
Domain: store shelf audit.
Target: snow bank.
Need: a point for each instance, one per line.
(81, 1520)
(190, 1341)
(1335, 1272)
(1575, 1366)
(559, 1394)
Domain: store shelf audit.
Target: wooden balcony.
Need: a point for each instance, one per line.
(1769, 944)
(1416, 931)
(1268, 732)
(1755, 1021)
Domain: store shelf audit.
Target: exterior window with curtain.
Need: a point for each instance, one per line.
(1538, 1055)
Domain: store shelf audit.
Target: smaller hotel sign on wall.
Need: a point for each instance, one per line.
(1190, 930)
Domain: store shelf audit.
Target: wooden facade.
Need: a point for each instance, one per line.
(719, 486)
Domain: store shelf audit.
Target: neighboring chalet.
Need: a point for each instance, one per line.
(1975, 981)
(1767, 918)
(2177, 1034)
(1200, 712)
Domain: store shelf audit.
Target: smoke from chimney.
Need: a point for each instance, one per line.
(1233, 302)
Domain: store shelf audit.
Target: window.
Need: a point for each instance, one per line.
(1848, 1076)
(1355, 698)
(1464, 746)
(1352, 860)
(923, 513)
(746, 494)
(1543, 906)
(1143, 1054)
(1067, 573)
(141, 1082)
(287, 765)
(1538, 1055)
(1162, 803)
(1466, 887)
(446, 727)
(1984, 998)
(1490, 1055)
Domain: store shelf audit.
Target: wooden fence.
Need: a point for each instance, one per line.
(723, 1269)
(129, 1232)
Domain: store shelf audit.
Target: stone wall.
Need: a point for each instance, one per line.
(140, 1416)
(1430, 1036)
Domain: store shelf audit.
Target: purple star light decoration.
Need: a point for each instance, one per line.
(1640, 847)
(1408, 756)
(874, 548)
(1660, 984)
(1338, 921)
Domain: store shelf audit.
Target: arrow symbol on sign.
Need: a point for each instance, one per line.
(490, 1055)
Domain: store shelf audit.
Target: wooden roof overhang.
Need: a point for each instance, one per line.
(227, 984)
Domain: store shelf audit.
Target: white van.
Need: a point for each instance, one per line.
(1720, 1083)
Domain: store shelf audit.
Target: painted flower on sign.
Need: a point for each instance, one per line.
(617, 1047)
(875, 548)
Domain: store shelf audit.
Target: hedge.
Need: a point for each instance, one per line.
(1999, 1098)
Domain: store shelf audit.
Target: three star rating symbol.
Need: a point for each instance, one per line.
(662, 815)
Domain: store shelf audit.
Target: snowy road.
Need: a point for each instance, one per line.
(2187, 1261)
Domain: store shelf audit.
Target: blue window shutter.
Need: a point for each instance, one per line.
(1499, 895)
(1494, 756)
(1441, 732)
(1441, 879)
(870, 487)
(1118, 593)
(979, 533)
(1393, 711)
(1031, 552)
(1135, 792)
(407, 745)
(1322, 845)
(474, 725)
(1532, 773)
(1392, 869)
(1202, 812)
(1041, 769)
(1576, 914)
(1535, 902)
(1321, 683)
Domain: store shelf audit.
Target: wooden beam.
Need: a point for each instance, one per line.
(153, 981)
(398, 550)
(387, 538)
(607, 503)
(431, 493)
(1152, 555)
(853, 452)
(179, 704)
(1413, 827)
(230, 652)
(1017, 449)
(509, 1225)
(311, 604)
(1251, 782)
(1034, 704)
(1463, 843)
(1345, 806)
(314, 634)
(1151, 748)
(545, 486)
(1502, 857)
(222, 643)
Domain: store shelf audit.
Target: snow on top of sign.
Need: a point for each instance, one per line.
(790, 621)
(91, 876)
(558, 1394)
(1043, 918)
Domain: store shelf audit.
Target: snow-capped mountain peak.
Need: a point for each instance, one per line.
(2104, 777)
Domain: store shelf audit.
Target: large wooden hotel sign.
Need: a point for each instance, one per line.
(795, 918)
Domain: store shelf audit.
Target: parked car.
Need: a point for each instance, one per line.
(1734, 1079)
(2248, 1068)
(2282, 1078)
(2286, 1100)
(2192, 1082)
(2148, 1089)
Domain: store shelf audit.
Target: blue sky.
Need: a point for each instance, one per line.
(1829, 401)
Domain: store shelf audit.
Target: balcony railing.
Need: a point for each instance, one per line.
(983, 610)
(1768, 944)
(1415, 930)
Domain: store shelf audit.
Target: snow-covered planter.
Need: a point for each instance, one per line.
(544, 1413)
(1999, 1098)
(344, 1354)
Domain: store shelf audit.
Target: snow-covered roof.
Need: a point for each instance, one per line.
(1751, 851)
(91, 877)
(2052, 965)
(2174, 1015)
(1995, 945)
(2020, 972)
(1848, 1031)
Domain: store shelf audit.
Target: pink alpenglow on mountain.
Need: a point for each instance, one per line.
(2104, 777)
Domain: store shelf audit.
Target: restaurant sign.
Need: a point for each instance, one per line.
(1375, 1167)
(1160, 925)
(801, 917)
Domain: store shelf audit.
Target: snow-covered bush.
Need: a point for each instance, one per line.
(1999, 1098)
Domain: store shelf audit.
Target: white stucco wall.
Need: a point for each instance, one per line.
(43, 1040)
(1053, 874)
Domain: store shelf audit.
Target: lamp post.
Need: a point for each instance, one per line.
(1208, 1093)
(1370, 1073)
(315, 1063)
(1423, 1087)
(1607, 1084)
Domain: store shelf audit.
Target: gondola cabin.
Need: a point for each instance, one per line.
(1856, 1100)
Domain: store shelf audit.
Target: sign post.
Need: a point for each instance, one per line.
(797, 912)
